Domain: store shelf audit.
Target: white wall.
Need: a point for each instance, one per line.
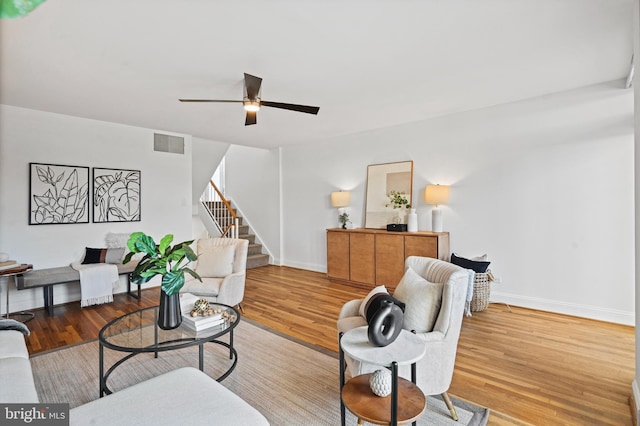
(252, 182)
(205, 160)
(206, 157)
(33, 136)
(544, 187)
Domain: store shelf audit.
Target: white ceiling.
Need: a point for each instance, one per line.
(367, 64)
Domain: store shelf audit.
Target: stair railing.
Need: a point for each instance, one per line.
(221, 212)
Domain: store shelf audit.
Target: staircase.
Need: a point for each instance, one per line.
(255, 256)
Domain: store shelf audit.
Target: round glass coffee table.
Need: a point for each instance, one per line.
(138, 332)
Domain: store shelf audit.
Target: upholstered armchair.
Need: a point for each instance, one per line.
(440, 300)
(222, 265)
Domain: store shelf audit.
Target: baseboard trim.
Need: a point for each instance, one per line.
(574, 309)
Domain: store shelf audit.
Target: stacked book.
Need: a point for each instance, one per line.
(8, 265)
(200, 323)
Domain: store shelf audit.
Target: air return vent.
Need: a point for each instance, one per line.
(168, 143)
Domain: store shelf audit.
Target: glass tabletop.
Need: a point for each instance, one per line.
(139, 332)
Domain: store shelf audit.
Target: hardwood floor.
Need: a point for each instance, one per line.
(527, 366)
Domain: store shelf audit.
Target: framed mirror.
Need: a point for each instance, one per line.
(381, 180)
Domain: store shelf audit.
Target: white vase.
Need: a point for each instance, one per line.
(412, 221)
(380, 382)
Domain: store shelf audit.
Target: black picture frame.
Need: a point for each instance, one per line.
(116, 195)
(58, 194)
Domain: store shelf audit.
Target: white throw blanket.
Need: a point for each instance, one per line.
(97, 281)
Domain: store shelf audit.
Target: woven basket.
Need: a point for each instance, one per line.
(481, 292)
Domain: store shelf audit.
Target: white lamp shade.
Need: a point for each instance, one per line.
(436, 194)
(340, 199)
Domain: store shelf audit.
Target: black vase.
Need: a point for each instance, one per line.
(169, 315)
(386, 324)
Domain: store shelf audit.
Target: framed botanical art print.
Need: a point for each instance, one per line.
(116, 195)
(58, 194)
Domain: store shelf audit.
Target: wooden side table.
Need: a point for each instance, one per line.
(19, 269)
(357, 396)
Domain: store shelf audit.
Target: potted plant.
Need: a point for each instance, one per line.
(398, 200)
(169, 262)
(343, 218)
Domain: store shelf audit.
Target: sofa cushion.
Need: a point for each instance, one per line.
(17, 380)
(209, 287)
(12, 345)
(185, 396)
(422, 299)
(215, 262)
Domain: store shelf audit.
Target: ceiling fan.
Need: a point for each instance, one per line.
(252, 101)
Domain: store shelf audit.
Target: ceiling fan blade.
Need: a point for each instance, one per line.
(251, 118)
(293, 107)
(252, 86)
(206, 100)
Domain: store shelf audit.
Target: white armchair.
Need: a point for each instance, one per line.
(222, 265)
(435, 369)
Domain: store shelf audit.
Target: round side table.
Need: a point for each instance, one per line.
(357, 396)
(11, 273)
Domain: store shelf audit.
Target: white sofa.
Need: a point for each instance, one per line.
(183, 396)
(16, 378)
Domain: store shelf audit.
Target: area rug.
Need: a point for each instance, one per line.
(289, 382)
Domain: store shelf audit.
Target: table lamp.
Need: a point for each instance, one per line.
(341, 199)
(436, 194)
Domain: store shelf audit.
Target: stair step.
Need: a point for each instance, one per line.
(257, 260)
(255, 249)
(250, 237)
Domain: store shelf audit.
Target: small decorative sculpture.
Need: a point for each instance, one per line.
(201, 305)
(386, 324)
(380, 382)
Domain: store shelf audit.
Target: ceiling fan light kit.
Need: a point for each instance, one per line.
(252, 103)
(253, 106)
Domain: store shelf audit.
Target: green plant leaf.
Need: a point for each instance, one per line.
(165, 242)
(131, 242)
(17, 8)
(172, 282)
(145, 244)
(193, 273)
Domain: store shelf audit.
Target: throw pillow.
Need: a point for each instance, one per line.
(477, 266)
(422, 299)
(102, 255)
(363, 306)
(215, 262)
(92, 255)
(10, 324)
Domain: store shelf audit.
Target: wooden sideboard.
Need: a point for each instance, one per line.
(376, 256)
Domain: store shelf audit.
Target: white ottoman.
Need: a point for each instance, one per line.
(185, 396)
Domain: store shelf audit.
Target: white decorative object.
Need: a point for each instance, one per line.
(412, 221)
(4, 257)
(380, 382)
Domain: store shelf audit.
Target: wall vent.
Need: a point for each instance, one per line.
(168, 143)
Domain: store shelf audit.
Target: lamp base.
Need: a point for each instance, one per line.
(436, 220)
